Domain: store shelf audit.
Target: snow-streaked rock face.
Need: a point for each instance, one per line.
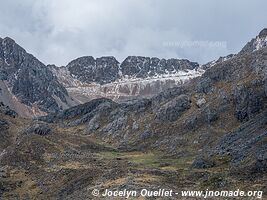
(215, 62)
(256, 43)
(127, 88)
(144, 67)
(135, 77)
(260, 42)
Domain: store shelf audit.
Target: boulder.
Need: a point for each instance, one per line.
(202, 163)
(201, 102)
(146, 135)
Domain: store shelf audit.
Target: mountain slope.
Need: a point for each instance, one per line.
(217, 120)
(27, 85)
(209, 133)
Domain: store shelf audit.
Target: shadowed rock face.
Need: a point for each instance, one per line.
(101, 70)
(30, 80)
(108, 69)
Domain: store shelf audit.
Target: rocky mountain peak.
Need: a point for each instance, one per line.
(107, 61)
(9, 40)
(143, 67)
(215, 62)
(28, 81)
(256, 43)
(88, 69)
(107, 69)
(108, 58)
(86, 61)
(263, 33)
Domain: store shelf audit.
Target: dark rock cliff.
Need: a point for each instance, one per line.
(30, 80)
(108, 69)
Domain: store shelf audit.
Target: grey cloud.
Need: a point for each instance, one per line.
(57, 31)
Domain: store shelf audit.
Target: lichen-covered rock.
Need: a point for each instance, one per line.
(247, 102)
(39, 129)
(116, 125)
(245, 146)
(265, 87)
(224, 98)
(167, 95)
(172, 110)
(204, 116)
(259, 166)
(136, 105)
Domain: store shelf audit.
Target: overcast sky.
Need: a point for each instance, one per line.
(57, 31)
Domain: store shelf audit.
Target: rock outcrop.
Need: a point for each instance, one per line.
(172, 110)
(256, 43)
(101, 70)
